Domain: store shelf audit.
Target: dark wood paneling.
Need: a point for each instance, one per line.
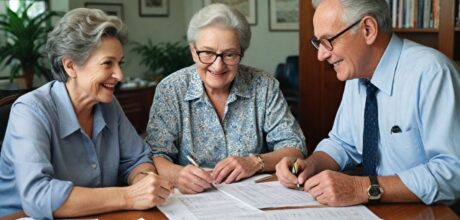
(320, 90)
(136, 104)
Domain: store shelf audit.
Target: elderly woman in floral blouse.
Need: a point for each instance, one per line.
(226, 115)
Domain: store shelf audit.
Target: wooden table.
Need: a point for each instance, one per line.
(386, 211)
(400, 211)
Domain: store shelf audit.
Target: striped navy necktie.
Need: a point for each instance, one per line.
(371, 132)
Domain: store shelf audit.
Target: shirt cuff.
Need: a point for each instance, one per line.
(336, 152)
(423, 186)
(60, 191)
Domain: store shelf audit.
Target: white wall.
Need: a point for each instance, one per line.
(266, 51)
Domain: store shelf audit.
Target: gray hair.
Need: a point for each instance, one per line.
(220, 14)
(356, 9)
(77, 34)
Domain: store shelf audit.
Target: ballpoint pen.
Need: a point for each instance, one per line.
(192, 161)
(295, 172)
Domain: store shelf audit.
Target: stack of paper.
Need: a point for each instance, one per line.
(244, 201)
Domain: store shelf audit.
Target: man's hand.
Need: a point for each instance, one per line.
(285, 176)
(337, 189)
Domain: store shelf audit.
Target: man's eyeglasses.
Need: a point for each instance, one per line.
(209, 57)
(327, 43)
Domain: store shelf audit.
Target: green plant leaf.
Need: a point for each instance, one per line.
(163, 58)
(26, 37)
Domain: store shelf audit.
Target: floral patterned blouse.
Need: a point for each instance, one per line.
(256, 119)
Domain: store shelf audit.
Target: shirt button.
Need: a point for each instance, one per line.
(93, 166)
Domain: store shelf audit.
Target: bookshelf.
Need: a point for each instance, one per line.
(321, 92)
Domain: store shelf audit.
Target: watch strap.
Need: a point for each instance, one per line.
(374, 183)
(374, 180)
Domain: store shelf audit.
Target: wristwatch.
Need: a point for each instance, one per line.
(374, 191)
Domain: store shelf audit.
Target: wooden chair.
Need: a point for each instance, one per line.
(5, 107)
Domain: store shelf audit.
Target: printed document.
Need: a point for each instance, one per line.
(359, 212)
(268, 195)
(206, 205)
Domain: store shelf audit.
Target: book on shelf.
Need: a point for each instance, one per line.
(414, 13)
(457, 23)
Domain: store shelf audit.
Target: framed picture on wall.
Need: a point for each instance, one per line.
(247, 7)
(115, 9)
(283, 15)
(153, 8)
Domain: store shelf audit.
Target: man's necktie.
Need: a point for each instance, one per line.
(371, 132)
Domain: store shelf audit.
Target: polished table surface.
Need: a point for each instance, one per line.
(384, 211)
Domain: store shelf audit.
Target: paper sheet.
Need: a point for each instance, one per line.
(254, 178)
(207, 205)
(327, 213)
(268, 195)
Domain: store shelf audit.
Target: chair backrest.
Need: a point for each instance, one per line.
(287, 75)
(291, 72)
(5, 108)
(8, 92)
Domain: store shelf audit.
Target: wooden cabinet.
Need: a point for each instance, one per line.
(136, 104)
(321, 92)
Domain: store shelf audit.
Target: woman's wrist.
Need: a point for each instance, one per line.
(141, 174)
(260, 163)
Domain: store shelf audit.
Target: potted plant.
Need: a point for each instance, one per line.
(163, 58)
(25, 38)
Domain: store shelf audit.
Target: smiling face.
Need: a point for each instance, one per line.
(349, 54)
(95, 80)
(218, 76)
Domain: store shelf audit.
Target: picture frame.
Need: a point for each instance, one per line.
(115, 9)
(283, 15)
(153, 8)
(247, 7)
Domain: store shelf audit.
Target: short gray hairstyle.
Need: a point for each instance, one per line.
(356, 9)
(220, 14)
(77, 34)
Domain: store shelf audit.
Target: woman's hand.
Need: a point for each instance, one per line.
(192, 179)
(150, 191)
(233, 169)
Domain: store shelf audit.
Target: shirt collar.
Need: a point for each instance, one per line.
(240, 86)
(68, 122)
(195, 90)
(383, 77)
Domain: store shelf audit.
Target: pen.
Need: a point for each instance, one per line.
(192, 161)
(295, 171)
(263, 179)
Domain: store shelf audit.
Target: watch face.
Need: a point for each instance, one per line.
(374, 191)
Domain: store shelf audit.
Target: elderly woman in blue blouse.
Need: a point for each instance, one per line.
(226, 115)
(68, 147)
